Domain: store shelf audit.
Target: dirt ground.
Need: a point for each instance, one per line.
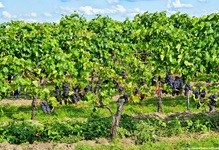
(63, 146)
(126, 142)
(16, 102)
(42, 146)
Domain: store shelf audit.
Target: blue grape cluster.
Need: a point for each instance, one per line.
(46, 107)
(66, 88)
(201, 95)
(77, 96)
(196, 93)
(76, 88)
(87, 88)
(124, 98)
(124, 76)
(175, 84)
(154, 81)
(17, 92)
(57, 94)
(212, 101)
(187, 88)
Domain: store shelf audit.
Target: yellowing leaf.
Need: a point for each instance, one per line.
(187, 63)
(178, 46)
(35, 83)
(162, 57)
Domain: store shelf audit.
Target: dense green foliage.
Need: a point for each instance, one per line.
(143, 130)
(151, 43)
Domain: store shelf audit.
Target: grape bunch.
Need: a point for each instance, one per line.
(66, 88)
(187, 88)
(76, 88)
(124, 98)
(169, 79)
(124, 76)
(57, 94)
(46, 107)
(87, 88)
(177, 86)
(11, 77)
(17, 92)
(213, 99)
(196, 93)
(201, 96)
(76, 96)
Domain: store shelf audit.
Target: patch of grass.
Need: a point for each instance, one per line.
(210, 142)
(83, 109)
(82, 146)
(196, 141)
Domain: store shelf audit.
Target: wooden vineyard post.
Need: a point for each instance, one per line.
(33, 108)
(159, 102)
(188, 103)
(159, 95)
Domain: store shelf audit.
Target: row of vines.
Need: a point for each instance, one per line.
(75, 50)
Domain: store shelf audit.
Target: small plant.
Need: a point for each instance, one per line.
(145, 133)
(19, 116)
(123, 133)
(199, 127)
(20, 132)
(82, 146)
(174, 126)
(71, 139)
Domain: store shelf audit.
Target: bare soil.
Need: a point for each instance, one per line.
(17, 102)
(126, 142)
(103, 141)
(62, 146)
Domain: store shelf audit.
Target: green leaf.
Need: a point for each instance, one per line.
(187, 63)
(5, 69)
(90, 96)
(178, 46)
(202, 68)
(171, 58)
(35, 83)
(162, 57)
